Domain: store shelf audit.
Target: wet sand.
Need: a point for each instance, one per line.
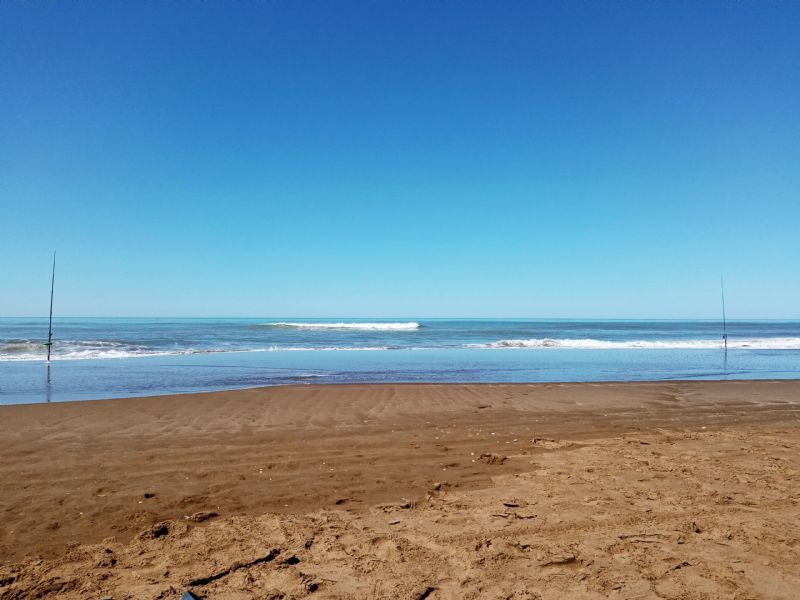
(630, 490)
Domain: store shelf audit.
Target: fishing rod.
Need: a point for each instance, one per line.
(724, 320)
(49, 342)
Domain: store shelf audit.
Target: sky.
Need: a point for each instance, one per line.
(400, 158)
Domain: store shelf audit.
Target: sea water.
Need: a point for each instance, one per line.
(105, 358)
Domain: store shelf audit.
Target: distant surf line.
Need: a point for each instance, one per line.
(377, 326)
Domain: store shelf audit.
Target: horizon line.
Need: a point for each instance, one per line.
(399, 318)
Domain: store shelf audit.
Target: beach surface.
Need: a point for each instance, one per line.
(508, 491)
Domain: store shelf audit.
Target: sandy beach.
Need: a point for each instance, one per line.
(523, 491)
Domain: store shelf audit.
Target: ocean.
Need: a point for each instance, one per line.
(97, 358)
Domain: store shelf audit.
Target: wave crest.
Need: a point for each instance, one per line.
(411, 325)
(26, 350)
(786, 343)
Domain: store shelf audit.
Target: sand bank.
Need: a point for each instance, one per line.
(639, 490)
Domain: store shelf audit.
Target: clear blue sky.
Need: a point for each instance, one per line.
(388, 158)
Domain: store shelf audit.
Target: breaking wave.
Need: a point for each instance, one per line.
(23, 350)
(355, 326)
(78, 349)
(786, 343)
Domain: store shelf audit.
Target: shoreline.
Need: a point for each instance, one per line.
(235, 390)
(106, 472)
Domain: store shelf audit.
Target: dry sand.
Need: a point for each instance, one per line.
(634, 490)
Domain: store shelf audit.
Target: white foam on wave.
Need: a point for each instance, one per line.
(78, 351)
(355, 326)
(324, 349)
(27, 350)
(785, 343)
(15, 350)
(85, 350)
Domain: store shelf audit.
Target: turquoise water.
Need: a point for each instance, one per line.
(104, 358)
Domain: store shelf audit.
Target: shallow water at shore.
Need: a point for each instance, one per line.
(33, 381)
